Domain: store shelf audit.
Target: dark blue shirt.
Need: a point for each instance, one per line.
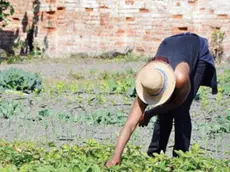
(190, 48)
(204, 51)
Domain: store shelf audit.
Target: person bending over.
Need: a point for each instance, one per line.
(168, 83)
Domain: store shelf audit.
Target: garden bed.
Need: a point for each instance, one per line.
(90, 99)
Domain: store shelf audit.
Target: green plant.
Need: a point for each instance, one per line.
(127, 57)
(221, 124)
(106, 82)
(17, 48)
(27, 156)
(117, 82)
(6, 10)
(19, 80)
(101, 116)
(10, 108)
(13, 59)
(76, 76)
(37, 51)
(223, 80)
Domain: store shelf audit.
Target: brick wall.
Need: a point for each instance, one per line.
(68, 27)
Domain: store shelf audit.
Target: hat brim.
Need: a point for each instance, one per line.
(169, 88)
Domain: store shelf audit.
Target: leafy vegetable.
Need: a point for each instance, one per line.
(18, 79)
(10, 108)
(101, 116)
(25, 157)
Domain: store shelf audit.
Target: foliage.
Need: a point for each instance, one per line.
(98, 117)
(25, 157)
(20, 80)
(223, 81)
(105, 82)
(219, 125)
(75, 76)
(101, 116)
(10, 108)
(117, 81)
(13, 59)
(131, 92)
(125, 57)
(6, 10)
(223, 77)
(17, 47)
(112, 57)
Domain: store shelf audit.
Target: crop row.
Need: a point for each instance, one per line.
(91, 157)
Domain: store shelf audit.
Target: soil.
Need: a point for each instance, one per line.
(29, 127)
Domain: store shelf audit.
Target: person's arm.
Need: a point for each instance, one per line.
(182, 89)
(133, 119)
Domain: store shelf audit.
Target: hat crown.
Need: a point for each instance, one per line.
(152, 81)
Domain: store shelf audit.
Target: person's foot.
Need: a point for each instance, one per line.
(150, 153)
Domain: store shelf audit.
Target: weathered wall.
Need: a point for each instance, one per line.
(94, 26)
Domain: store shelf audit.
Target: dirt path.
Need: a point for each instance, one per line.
(59, 69)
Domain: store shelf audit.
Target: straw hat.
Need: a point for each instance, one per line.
(155, 83)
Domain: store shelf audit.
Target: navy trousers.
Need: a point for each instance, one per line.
(181, 117)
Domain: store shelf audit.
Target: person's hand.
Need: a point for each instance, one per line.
(144, 121)
(113, 162)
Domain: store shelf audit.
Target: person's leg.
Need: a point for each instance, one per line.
(161, 133)
(183, 129)
(183, 126)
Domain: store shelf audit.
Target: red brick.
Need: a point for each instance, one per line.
(102, 21)
(119, 34)
(89, 10)
(129, 2)
(215, 28)
(211, 11)
(119, 43)
(147, 37)
(140, 49)
(51, 12)
(178, 4)
(75, 22)
(156, 39)
(60, 11)
(192, 2)
(120, 31)
(61, 8)
(177, 16)
(103, 7)
(130, 19)
(222, 16)
(180, 29)
(51, 30)
(16, 19)
(144, 10)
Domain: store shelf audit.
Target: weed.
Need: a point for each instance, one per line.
(75, 76)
